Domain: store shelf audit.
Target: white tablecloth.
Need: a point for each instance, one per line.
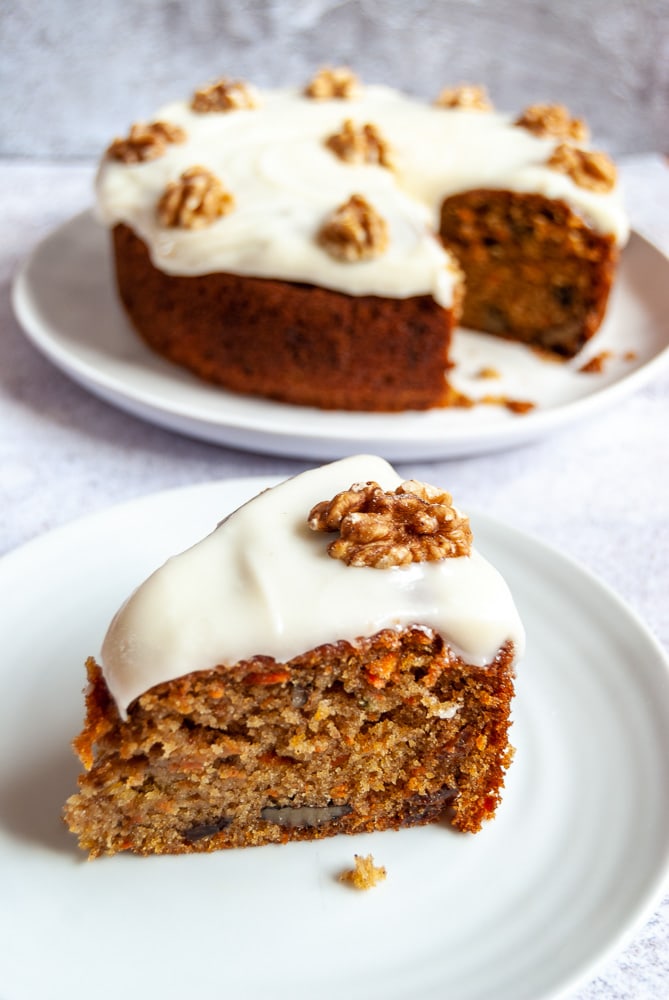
(598, 491)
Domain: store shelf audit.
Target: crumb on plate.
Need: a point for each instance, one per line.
(365, 874)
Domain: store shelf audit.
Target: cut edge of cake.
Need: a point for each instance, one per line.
(394, 728)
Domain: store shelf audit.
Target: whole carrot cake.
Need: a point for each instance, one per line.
(335, 657)
(318, 245)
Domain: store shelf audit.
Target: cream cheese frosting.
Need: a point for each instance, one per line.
(262, 583)
(286, 181)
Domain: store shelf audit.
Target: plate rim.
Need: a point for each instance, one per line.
(396, 441)
(649, 899)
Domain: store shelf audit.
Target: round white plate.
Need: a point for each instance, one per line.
(524, 910)
(65, 300)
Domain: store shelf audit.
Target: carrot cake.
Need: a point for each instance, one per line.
(335, 657)
(317, 246)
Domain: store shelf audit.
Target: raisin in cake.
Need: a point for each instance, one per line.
(335, 657)
(317, 246)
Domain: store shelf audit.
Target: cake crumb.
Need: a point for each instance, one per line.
(458, 399)
(519, 405)
(365, 875)
(512, 405)
(595, 366)
(488, 372)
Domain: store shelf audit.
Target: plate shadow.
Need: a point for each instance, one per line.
(32, 800)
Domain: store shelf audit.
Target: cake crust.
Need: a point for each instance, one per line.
(288, 341)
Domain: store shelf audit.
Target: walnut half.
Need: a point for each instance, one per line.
(338, 83)
(360, 144)
(416, 523)
(355, 231)
(553, 119)
(194, 201)
(587, 168)
(224, 95)
(466, 96)
(145, 142)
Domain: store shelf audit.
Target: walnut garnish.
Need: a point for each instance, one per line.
(224, 95)
(365, 874)
(468, 96)
(196, 200)
(340, 82)
(360, 144)
(145, 142)
(355, 231)
(553, 119)
(416, 523)
(589, 169)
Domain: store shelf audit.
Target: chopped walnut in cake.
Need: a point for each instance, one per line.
(340, 82)
(224, 95)
(355, 231)
(467, 96)
(196, 200)
(553, 119)
(365, 874)
(416, 523)
(360, 144)
(587, 168)
(145, 142)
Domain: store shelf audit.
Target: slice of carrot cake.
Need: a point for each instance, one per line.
(335, 657)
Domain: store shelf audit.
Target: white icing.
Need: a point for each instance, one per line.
(262, 583)
(286, 182)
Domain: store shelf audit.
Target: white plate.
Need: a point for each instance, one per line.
(65, 300)
(523, 910)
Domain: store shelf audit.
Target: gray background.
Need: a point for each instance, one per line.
(75, 73)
